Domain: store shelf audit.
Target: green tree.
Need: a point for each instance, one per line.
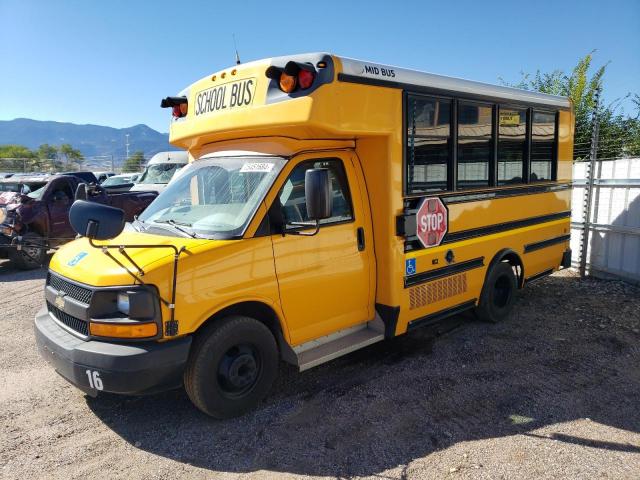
(70, 156)
(619, 133)
(16, 158)
(47, 157)
(134, 163)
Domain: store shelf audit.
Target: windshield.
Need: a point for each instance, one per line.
(111, 181)
(215, 195)
(160, 172)
(36, 194)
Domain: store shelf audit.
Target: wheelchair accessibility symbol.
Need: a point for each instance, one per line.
(410, 266)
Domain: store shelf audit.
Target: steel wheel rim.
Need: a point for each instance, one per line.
(239, 370)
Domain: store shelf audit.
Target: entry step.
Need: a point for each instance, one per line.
(322, 350)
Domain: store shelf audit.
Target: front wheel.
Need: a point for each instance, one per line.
(31, 255)
(498, 294)
(232, 366)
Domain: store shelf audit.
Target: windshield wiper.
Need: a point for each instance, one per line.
(176, 225)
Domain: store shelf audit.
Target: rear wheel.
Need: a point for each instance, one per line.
(31, 255)
(232, 366)
(498, 294)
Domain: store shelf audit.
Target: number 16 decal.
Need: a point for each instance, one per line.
(94, 379)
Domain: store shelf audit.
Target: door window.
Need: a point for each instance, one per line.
(293, 200)
(61, 193)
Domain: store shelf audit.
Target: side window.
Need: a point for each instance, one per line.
(61, 192)
(428, 143)
(512, 145)
(474, 144)
(543, 142)
(292, 197)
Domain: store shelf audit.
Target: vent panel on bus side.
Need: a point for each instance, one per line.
(437, 290)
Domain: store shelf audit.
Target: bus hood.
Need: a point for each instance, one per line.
(81, 262)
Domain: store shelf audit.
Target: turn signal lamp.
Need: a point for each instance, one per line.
(123, 330)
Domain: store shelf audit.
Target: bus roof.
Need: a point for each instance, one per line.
(359, 71)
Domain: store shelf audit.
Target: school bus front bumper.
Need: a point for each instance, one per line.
(124, 368)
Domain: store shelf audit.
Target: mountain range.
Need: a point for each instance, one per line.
(91, 140)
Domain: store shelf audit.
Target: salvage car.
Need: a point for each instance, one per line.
(34, 214)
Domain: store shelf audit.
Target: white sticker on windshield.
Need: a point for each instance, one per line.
(256, 167)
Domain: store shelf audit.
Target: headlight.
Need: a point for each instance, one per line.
(133, 313)
(136, 304)
(123, 303)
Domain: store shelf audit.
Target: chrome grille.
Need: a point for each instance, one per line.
(70, 321)
(74, 291)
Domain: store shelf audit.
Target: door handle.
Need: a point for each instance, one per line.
(360, 239)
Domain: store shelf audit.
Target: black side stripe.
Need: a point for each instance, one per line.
(411, 203)
(412, 242)
(345, 77)
(505, 193)
(532, 247)
(441, 315)
(443, 272)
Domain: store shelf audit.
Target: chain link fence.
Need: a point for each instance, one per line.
(107, 163)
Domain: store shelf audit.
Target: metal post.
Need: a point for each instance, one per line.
(586, 211)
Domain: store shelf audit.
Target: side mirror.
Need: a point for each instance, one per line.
(81, 191)
(317, 189)
(96, 221)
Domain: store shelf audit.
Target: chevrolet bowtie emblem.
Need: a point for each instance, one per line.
(60, 300)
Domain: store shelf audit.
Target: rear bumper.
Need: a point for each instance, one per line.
(132, 369)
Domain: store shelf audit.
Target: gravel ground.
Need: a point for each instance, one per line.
(551, 393)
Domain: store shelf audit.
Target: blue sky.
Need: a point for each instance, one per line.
(110, 62)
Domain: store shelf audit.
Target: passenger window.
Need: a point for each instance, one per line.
(512, 133)
(293, 200)
(428, 143)
(543, 136)
(474, 144)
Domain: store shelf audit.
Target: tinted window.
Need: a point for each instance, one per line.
(474, 144)
(428, 145)
(293, 200)
(543, 133)
(512, 131)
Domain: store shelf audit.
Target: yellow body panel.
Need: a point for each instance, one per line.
(319, 285)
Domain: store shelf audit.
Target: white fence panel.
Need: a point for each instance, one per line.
(613, 246)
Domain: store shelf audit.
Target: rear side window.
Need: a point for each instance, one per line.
(293, 200)
(512, 145)
(543, 134)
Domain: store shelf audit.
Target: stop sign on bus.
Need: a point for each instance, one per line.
(432, 222)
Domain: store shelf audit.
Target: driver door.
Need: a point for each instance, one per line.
(325, 281)
(58, 200)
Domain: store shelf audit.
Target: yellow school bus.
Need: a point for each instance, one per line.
(329, 204)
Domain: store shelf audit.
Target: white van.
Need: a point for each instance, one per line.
(160, 170)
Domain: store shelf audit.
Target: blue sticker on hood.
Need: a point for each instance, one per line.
(74, 261)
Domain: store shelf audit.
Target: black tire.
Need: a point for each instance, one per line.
(33, 252)
(498, 294)
(231, 366)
